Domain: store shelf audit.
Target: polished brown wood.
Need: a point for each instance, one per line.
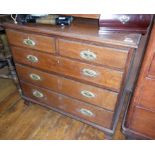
(69, 87)
(43, 43)
(125, 22)
(139, 121)
(98, 76)
(105, 77)
(143, 122)
(72, 106)
(83, 31)
(147, 95)
(111, 57)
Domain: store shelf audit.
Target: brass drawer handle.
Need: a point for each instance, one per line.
(86, 112)
(88, 55)
(124, 19)
(29, 42)
(32, 58)
(87, 94)
(89, 72)
(38, 94)
(35, 77)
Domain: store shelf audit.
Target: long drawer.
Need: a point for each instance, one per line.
(33, 41)
(66, 104)
(111, 57)
(87, 93)
(98, 75)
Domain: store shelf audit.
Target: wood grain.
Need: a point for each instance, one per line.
(88, 131)
(111, 57)
(28, 122)
(68, 87)
(68, 127)
(81, 30)
(143, 122)
(8, 119)
(9, 101)
(69, 105)
(108, 78)
(6, 89)
(43, 43)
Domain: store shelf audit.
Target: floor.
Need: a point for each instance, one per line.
(21, 121)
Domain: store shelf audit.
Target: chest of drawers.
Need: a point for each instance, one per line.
(139, 122)
(75, 70)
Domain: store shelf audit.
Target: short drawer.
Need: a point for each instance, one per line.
(96, 54)
(87, 93)
(68, 105)
(98, 75)
(143, 121)
(29, 40)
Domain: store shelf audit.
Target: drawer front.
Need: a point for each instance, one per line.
(84, 92)
(66, 104)
(94, 74)
(33, 41)
(147, 94)
(96, 54)
(143, 122)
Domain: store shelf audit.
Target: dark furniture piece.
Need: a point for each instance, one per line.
(139, 122)
(75, 70)
(125, 22)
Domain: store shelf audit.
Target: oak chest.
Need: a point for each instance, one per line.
(75, 70)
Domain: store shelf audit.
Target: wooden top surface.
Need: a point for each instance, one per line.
(88, 31)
